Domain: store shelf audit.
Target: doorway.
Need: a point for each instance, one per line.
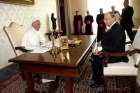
(93, 7)
(62, 16)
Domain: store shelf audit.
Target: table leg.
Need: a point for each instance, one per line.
(69, 85)
(29, 82)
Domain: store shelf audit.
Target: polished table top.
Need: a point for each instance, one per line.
(73, 54)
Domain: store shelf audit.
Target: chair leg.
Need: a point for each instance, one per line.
(23, 76)
(105, 85)
(133, 84)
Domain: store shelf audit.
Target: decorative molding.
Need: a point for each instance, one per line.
(18, 2)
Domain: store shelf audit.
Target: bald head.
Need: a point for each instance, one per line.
(36, 25)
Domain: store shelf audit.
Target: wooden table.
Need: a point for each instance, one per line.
(44, 63)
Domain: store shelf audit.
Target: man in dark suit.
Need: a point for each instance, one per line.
(101, 25)
(126, 21)
(88, 21)
(77, 23)
(113, 41)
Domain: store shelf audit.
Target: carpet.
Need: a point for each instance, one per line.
(81, 85)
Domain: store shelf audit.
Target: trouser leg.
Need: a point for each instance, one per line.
(130, 33)
(97, 69)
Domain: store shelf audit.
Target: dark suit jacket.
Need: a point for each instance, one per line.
(101, 26)
(114, 41)
(127, 14)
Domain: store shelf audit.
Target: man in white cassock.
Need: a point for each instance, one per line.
(33, 37)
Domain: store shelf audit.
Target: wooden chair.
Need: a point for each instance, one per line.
(138, 78)
(6, 51)
(15, 34)
(122, 68)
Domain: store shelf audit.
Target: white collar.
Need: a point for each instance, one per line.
(109, 27)
(33, 30)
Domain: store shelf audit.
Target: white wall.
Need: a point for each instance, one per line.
(23, 15)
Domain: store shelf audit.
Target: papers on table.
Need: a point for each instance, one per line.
(40, 49)
(44, 80)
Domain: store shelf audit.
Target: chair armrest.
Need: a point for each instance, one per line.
(128, 42)
(118, 54)
(114, 54)
(131, 52)
(22, 49)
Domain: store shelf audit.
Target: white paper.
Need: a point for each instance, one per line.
(46, 80)
(40, 49)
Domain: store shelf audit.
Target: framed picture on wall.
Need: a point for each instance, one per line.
(20, 2)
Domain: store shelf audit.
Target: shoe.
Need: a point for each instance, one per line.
(93, 85)
(96, 84)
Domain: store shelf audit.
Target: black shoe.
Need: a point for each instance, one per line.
(96, 84)
(93, 85)
(91, 60)
(37, 80)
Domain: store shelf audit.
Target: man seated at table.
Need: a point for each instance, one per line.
(33, 37)
(113, 41)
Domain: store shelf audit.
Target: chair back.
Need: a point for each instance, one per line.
(136, 42)
(136, 45)
(15, 34)
(6, 51)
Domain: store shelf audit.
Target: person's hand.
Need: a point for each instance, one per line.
(100, 53)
